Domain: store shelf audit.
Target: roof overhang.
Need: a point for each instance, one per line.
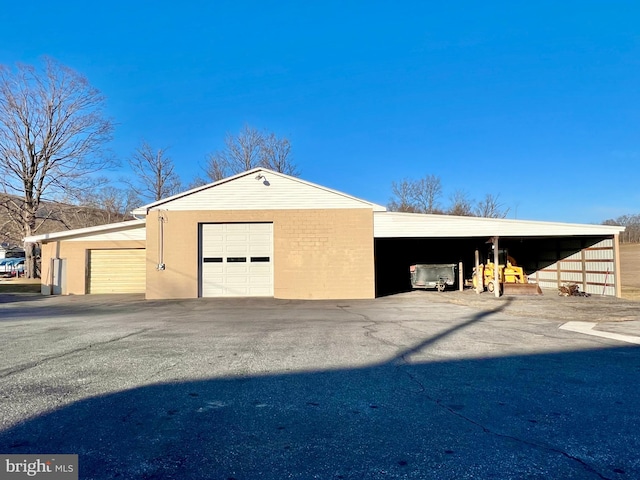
(80, 232)
(416, 225)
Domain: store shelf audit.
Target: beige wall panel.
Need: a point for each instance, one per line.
(74, 255)
(318, 254)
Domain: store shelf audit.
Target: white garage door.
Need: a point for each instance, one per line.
(117, 271)
(237, 260)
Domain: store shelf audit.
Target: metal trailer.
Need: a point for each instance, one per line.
(437, 276)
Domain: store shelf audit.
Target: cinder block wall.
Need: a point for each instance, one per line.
(318, 254)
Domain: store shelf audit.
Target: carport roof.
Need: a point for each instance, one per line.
(415, 225)
(79, 232)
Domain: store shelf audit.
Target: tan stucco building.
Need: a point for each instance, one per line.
(262, 233)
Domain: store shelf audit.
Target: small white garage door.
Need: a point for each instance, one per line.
(237, 260)
(117, 271)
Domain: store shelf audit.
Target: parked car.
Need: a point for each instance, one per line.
(5, 264)
(12, 267)
(18, 270)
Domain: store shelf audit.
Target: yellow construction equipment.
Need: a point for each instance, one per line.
(511, 277)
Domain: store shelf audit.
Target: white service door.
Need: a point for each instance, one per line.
(237, 260)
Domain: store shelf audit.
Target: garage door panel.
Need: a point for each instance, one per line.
(235, 237)
(237, 250)
(245, 266)
(213, 291)
(260, 238)
(257, 269)
(216, 277)
(213, 268)
(259, 292)
(236, 229)
(236, 269)
(260, 251)
(215, 244)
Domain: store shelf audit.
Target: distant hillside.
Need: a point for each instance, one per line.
(52, 217)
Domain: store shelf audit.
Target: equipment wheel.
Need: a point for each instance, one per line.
(491, 287)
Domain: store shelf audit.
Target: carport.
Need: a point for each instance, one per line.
(550, 253)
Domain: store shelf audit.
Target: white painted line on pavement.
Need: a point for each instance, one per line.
(587, 329)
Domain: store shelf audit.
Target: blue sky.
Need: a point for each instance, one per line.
(538, 102)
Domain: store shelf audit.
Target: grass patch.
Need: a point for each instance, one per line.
(19, 287)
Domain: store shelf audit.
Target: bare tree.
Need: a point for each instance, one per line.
(154, 176)
(52, 128)
(420, 196)
(491, 207)
(196, 182)
(426, 194)
(461, 204)
(275, 154)
(249, 149)
(402, 200)
(631, 223)
(241, 152)
(216, 168)
(110, 203)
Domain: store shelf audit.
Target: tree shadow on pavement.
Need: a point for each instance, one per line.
(556, 415)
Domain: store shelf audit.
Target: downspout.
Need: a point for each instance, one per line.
(496, 268)
(161, 222)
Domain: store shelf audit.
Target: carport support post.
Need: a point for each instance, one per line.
(478, 275)
(496, 268)
(616, 264)
(460, 277)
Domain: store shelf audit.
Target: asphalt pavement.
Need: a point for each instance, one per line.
(405, 387)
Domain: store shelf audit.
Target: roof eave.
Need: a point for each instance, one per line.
(46, 237)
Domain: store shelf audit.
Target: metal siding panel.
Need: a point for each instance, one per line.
(600, 266)
(247, 193)
(607, 243)
(128, 234)
(599, 255)
(547, 276)
(571, 265)
(601, 278)
(571, 277)
(601, 290)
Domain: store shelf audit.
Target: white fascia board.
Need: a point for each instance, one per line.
(158, 204)
(47, 237)
(407, 225)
